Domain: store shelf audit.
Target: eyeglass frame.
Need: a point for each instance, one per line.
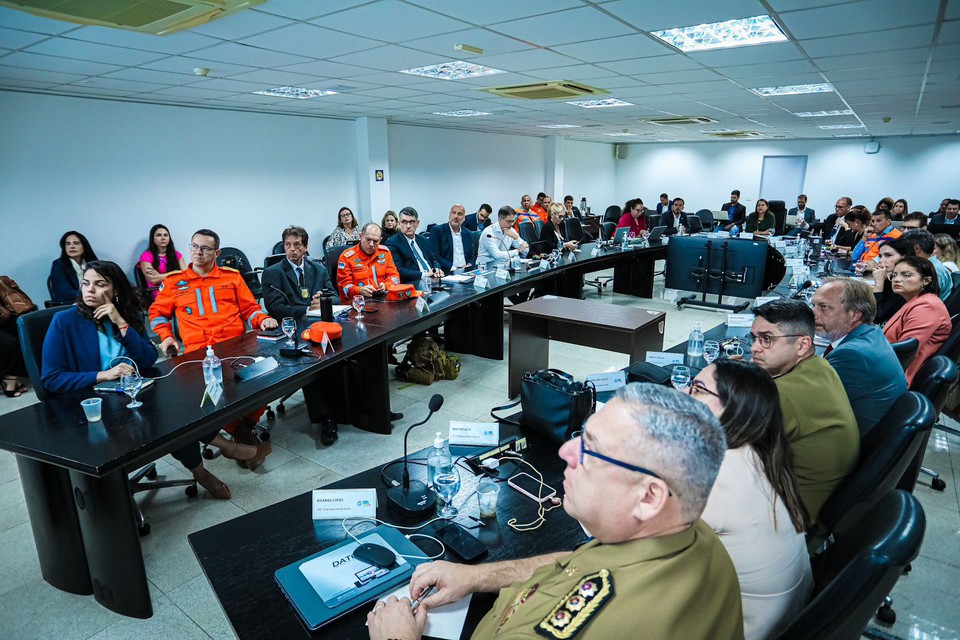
(200, 248)
(750, 339)
(702, 388)
(619, 463)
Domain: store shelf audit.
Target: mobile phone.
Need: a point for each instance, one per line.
(531, 487)
(461, 543)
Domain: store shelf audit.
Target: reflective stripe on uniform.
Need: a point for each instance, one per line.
(375, 282)
(213, 300)
(254, 315)
(199, 301)
(159, 320)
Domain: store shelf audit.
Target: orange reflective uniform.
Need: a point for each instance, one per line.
(524, 216)
(872, 243)
(540, 211)
(356, 269)
(209, 309)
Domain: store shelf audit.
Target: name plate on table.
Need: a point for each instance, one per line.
(723, 234)
(794, 262)
(765, 299)
(480, 282)
(337, 504)
(740, 320)
(486, 434)
(662, 359)
(609, 381)
(501, 274)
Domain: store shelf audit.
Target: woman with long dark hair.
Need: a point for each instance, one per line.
(160, 258)
(762, 221)
(66, 272)
(754, 506)
(888, 302)
(87, 344)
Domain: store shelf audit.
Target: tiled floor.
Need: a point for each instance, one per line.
(185, 607)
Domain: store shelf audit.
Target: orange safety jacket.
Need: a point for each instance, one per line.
(356, 269)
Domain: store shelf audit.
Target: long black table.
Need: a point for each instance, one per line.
(74, 474)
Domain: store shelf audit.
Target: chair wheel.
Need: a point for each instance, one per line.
(207, 453)
(282, 410)
(152, 474)
(271, 415)
(907, 569)
(886, 614)
(144, 529)
(938, 484)
(191, 491)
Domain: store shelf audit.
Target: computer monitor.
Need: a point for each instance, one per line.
(688, 264)
(694, 223)
(952, 230)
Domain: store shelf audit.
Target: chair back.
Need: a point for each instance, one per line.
(143, 287)
(857, 571)
(885, 453)
(694, 223)
(269, 261)
(607, 229)
(612, 214)
(951, 347)
(234, 258)
(934, 382)
(331, 256)
(953, 300)
(779, 210)
(278, 248)
(706, 218)
(572, 229)
(906, 351)
(32, 328)
(528, 232)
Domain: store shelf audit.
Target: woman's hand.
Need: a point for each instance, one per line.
(879, 275)
(107, 311)
(570, 245)
(114, 373)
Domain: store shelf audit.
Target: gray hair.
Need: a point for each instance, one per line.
(364, 228)
(410, 211)
(679, 439)
(857, 297)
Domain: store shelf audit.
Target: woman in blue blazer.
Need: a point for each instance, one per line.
(84, 344)
(65, 272)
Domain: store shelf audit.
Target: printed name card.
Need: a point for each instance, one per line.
(475, 433)
(480, 282)
(608, 381)
(502, 274)
(794, 262)
(740, 320)
(337, 504)
(765, 299)
(544, 265)
(662, 359)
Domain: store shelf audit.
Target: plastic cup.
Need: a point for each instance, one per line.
(92, 409)
(487, 491)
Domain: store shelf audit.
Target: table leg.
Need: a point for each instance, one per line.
(529, 349)
(470, 330)
(634, 276)
(56, 532)
(367, 390)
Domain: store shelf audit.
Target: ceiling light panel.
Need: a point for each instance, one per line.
(841, 126)
(741, 32)
(817, 114)
(600, 104)
(298, 93)
(455, 70)
(793, 90)
(463, 113)
(559, 126)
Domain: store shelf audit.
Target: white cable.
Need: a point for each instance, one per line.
(360, 520)
(176, 367)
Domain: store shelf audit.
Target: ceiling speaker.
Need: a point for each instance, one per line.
(620, 151)
(871, 147)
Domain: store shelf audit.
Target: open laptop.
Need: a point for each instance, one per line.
(619, 235)
(694, 223)
(656, 234)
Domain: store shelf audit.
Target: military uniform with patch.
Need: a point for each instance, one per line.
(356, 269)
(681, 585)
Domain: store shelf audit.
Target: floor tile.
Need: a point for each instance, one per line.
(197, 599)
(168, 621)
(18, 557)
(37, 610)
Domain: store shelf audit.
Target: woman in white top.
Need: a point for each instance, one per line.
(946, 251)
(754, 506)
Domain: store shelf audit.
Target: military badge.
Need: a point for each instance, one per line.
(578, 606)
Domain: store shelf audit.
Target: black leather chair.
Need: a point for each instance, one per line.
(331, 256)
(236, 259)
(854, 574)
(528, 232)
(278, 248)
(612, 214)
(572, 229)
(885, 453)
(779, 211)
(269, 261)
(934, 381)
(32, 327)
(607, 229)
(706, 219)
(906, 351)
(953, 300)
(143, 288)
(50, 304)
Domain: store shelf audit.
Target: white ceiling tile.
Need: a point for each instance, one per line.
(858, 17)
(51, 63)
(652, 16)
(872, 60)
(768, 53)
(15, 19)
(81, 89)
(491, 11)
(185, 66)
(851, 44)
(390, 92)
(311, 41)
(222, 84)
(235, 53)
(241, 25)
(766, 70)
(572, 25)
(391, 21)
(658, 64)
(391, 58)
(619, 48)
(38, 76)
(119, 84)
(491, 43)
(325, 68)
(275, 78)
(783, 6)
(175, 43)
(13, 39)
(305, 9)
(192, 92)
(677, 77)
(78, 50)
(150, 75)
(525, 60)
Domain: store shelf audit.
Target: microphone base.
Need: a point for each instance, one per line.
(417, 502)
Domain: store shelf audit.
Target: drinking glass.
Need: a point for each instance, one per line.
(289, 327)
(711, 351)
(680, 377)
(447, 484)
(358, 304)
(131, 385)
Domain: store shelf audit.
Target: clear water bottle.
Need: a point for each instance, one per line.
(426, 282)
(212, 371)
(583, 206)
(439, 459)
(695, 343)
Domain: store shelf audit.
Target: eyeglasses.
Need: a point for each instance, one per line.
(903, 275)
(405, 222)
(696, 387)
(766, 339)
(199, 248)
(623, 465)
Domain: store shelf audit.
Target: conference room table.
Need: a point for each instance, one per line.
(74, 473)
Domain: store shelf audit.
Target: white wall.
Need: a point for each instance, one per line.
(922, 170)
(590, 170)
(111, 170)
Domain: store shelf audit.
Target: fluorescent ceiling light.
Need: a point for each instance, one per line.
(741, 32)
(841, 126)
(600, 104)
(620, 135)
(849, 135)
(793, 90)
(718, 131)
(817, 114)
(295, 92)
(456, 70)
(463, 113)
(559, 126)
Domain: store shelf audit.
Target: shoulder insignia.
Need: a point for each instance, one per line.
(231, 269)
(578, 606)
(349, 252)
(341, 265)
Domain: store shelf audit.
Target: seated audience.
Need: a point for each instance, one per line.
(899, 210)
(823, 433)
(540, 207)
(801, 217)
(942, 210)
(411, 251)
(761, 222)
(736, 212)
(346, 231)
(946, 251)
(852, 237)
(388, 225)
(368, 268)
(888, 303)
(675, 218)
(882, 229)
(95, 342)
(833, 222)
(885, 204)
(925, 246)
(872, 377)
(500, 242)
(915, 220)
(637, 478)
(755, 504)
(451, 245)
(924, 315)
(525, 213)
(950, 213)
(633, 218)
(160, 258)
(551, 235)
(66, 272)
(571, 211)
(480, 220)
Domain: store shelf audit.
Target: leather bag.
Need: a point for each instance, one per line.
(553, 403)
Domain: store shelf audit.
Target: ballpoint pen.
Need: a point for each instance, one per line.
(429, 591)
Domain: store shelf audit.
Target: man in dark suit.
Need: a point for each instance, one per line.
(480, 220)
(451, 245)
(411, 253)
(292, 287)
(950, 215)
(675, 218)
(736, 212)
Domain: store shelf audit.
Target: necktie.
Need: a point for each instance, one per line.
(827, 350)
(300, 277)
(416, 254)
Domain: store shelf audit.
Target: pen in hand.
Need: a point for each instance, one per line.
(429, 591)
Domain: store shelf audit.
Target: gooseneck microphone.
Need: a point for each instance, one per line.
(806, 285)
(412, 498)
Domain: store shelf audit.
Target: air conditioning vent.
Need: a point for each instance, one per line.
(736, 134)
(159, 17)
(681, 120)
(561, 89)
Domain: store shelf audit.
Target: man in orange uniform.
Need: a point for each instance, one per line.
(211, 304)
(883, 229)
(542, 206)
(366, 268)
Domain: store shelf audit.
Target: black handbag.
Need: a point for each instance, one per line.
(553, 403)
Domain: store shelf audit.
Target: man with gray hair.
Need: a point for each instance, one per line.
(637, 478)
(843, 309)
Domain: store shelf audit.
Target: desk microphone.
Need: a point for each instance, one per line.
(285, 297)
(806, 285)
(412, 498)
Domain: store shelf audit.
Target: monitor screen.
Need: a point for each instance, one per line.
(693, 259)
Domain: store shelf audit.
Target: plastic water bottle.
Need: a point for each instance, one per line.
(625, 242)
(583, 206)
(439, 459)
(212, 371)
(695, 343)
(426, 282)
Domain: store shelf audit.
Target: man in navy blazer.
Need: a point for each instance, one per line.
(451, 245)
(860, 354)
(411, 263)
(480, 220)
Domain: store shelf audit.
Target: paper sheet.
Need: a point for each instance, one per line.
(337, 308)
(456, 279)
(444, 622)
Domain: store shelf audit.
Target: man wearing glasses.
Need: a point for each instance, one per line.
(637, 478)
(817, 416)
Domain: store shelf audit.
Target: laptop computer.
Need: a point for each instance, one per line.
(621, 232)
(694, 223)
(656, 233)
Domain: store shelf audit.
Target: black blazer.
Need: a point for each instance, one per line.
(441, 246)
(403, 257)
(666, 220)
(288, 301)
(63, 284)
(739, 213)
(548, 238)
(939, 219)
(470, 222)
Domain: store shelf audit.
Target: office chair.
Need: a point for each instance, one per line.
(934, 381)
(236, 259)
(612, 214)
(779, 211)
(269, 261)
(50, 304)
(953, 300)
(906, 351)
(706, 219)
(573, 230)
(32, 327)
(143, 288)
(331, 257)
(528, 232)
(278, 248)
(607, 229)
(854, 574)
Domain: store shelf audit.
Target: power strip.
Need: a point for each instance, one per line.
(516, 444)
